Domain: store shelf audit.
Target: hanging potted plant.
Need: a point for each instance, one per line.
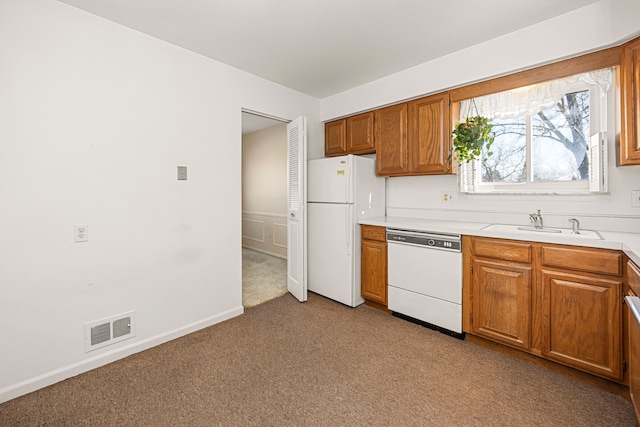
(469, 139)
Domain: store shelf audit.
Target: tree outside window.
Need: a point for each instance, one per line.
(559, 144)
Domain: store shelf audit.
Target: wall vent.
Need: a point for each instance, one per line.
(100, 333)
(109, 330)
(121, 327)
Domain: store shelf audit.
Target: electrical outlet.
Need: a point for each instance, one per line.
(446, 197)
(80, 233)
(635, 198)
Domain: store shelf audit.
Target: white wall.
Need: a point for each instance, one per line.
(608, 22)
(586, 29)
(264, 190)
(94, 119)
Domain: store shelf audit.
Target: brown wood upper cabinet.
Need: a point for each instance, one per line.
(413, 138)
(630, 103)
(391, 140)
(353, 135)
(335, 138)
(429, 135)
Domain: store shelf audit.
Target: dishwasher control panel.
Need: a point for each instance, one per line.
(439, 241)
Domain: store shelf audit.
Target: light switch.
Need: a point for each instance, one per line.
(182, 173)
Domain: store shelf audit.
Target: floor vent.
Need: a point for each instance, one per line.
(109, 330)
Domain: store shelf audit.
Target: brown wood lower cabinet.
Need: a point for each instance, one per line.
(633, 325)
(502, 302)
(562, 303)
(374, 265)
(582, 322)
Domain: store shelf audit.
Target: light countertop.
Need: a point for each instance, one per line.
(629, 243)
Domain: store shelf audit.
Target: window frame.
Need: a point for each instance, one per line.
(597, 100)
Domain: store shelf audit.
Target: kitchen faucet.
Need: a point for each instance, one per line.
(576, 225)
(536, 220)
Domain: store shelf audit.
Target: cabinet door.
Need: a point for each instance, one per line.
(335, 138)
(429, 137)
(501, 297)
(582, 322)
(634, 358)
(633, 343)
(630, 103)
(374, 271)
(391, 140)
(360, 134)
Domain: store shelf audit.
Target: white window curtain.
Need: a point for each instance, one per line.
(532, 99)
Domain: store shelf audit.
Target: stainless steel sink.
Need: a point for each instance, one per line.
(564, 232)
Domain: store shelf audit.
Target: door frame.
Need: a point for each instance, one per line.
(276, 120)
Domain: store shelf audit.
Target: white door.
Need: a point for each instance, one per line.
(296, 210)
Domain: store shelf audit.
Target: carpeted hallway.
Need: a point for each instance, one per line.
(319, 363)
(264, 277)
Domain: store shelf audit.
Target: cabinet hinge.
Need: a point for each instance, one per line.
(624, 365)
(472, 269)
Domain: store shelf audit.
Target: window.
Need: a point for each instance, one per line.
(549, 138)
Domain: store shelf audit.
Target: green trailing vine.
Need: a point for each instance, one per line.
(469, 137)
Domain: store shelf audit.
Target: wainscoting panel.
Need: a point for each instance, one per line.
(265, 232)
(280, 235)
(253, 230)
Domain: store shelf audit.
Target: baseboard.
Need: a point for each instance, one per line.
(264, 252)
(49, 378)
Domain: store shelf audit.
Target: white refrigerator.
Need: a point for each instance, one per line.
(340, 191)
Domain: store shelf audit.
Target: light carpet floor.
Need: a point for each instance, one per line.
(264, 277)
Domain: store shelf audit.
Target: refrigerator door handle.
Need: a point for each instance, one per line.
(347, 229)
(347, 183)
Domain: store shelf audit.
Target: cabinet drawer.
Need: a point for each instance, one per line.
(589, 260)
(502, 249)
(373, 232)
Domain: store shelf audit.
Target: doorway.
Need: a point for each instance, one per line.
(264, 208)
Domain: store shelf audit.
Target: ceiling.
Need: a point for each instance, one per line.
(323, 47)
(254, 122)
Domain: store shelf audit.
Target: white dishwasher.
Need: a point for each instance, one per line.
(425, 279)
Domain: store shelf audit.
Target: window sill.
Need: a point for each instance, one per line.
(551, 195)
